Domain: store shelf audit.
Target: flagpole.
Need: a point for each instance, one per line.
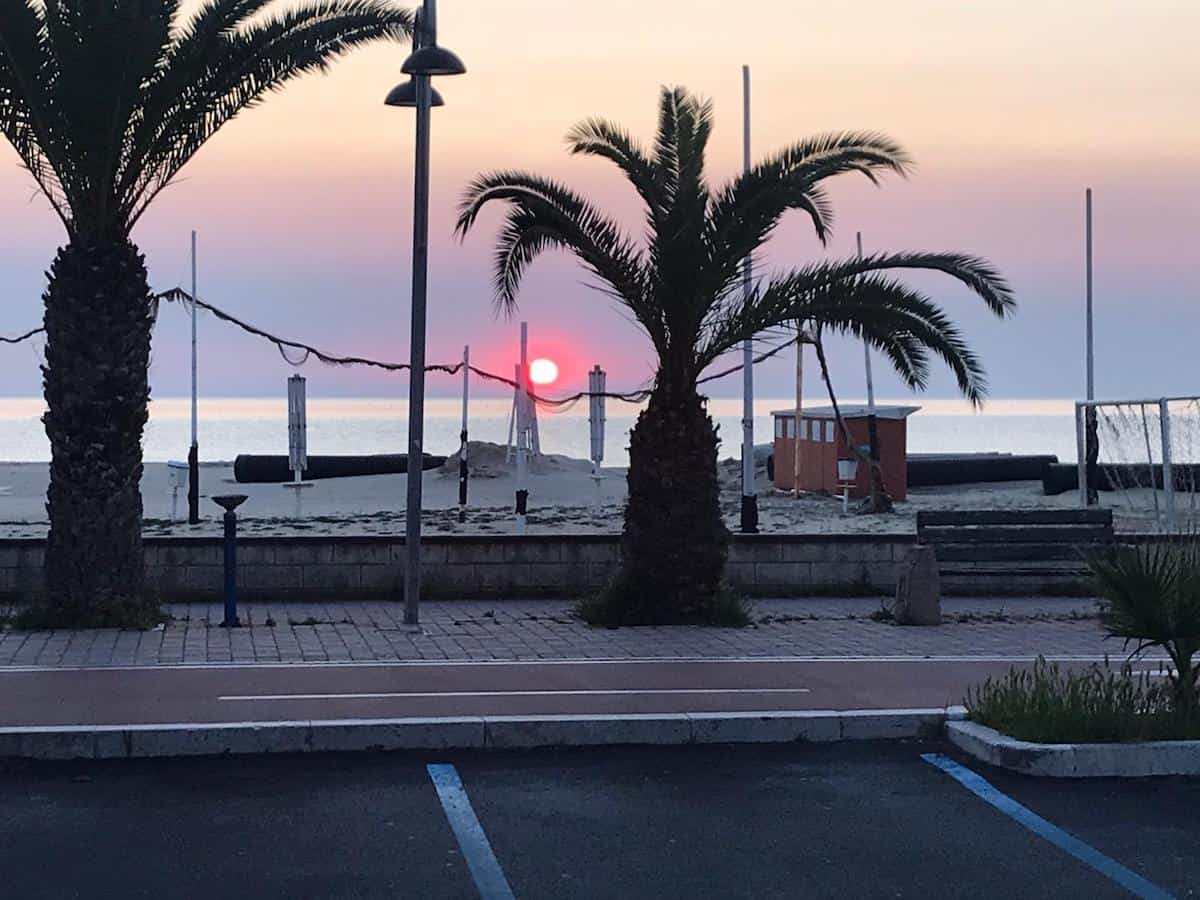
(749, 517)
(194, 449)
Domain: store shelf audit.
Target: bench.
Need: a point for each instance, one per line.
(1014, 550)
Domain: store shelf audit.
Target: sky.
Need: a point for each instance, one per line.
(303, 206)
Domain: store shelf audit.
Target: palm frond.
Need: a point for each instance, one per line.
(545, 214)
(599, 137)
(28, 118)
(241, 66)
(745, 213)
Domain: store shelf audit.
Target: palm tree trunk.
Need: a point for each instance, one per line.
(675, 542)
(98, 318)
(879, 500)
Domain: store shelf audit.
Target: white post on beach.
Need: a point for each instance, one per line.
(1168, 472)
(522, 428)
(1091, 372)
(749, 516)
(597, 380)
(463, 470)
(872, 421)
(194, 449)
(297, 439)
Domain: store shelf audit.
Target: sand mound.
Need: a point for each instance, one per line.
(487, 460)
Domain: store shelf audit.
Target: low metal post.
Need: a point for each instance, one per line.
(230, 502)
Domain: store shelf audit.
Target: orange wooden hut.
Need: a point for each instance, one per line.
(821, 446)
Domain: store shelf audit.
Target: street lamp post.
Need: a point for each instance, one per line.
(426, 60)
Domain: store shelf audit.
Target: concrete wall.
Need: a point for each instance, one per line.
(304, 568)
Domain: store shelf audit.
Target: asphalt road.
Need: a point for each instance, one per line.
(226, 693)
(860, 820)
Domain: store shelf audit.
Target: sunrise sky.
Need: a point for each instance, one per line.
(303, 206)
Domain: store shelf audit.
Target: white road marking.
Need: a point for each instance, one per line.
(642, 660)
(387, 695)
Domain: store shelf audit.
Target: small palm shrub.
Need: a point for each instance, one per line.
(1096, 705)
(1151, 599)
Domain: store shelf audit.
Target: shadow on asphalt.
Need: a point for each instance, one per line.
(848, 820)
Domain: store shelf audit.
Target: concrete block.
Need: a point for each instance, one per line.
(591, 551)
(580, 731)
(170, 554)
(759, 728)
(388, 576)
(331, 576)
(256, 554)
(837, 573)
(557, 575)
(1140, 760)
(784, 575)
(764, 551)
(203, 578)
(268, 577)
(509, 576)
(891, 724)
(539, 553)
(306, 554)
(9, 557)
(473, 552)
(62, 742)
(397, 734)
(361, 554)
(217, 740)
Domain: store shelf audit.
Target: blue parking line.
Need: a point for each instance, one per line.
(476, 850)
(1086, 854)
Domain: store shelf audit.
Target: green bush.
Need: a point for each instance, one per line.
(622, 603)
(1151, 598)
(1097, 705)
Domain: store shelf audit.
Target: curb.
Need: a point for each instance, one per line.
(486, 732)
(1140, 760)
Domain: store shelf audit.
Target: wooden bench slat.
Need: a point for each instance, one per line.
(1015, 517)
(1082, 535)
(1013, 552)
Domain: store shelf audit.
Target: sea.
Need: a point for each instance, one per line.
(231, 426)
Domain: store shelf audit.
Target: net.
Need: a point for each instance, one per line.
(1142, 459)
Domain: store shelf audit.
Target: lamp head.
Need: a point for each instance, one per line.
(229, 502)
(405, 95)
(433, 60)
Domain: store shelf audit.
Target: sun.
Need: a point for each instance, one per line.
(543, 371)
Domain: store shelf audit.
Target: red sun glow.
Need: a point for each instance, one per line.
(543, 371)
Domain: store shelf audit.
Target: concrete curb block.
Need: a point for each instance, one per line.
(484, 732)
(1075, 760)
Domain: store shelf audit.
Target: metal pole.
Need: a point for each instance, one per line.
(194, 449)
(1091, 373)
(463, 471)
(749, 517)
(872, 418)
(799, 418)
(1091, 436)
(416, 382)
(1082, 412)
(1164, 418)
(522, 429)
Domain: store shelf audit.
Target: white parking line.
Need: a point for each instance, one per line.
(472, 840)
(388, 695)
(1068, 843)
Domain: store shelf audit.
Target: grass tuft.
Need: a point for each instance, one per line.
(1047, 705)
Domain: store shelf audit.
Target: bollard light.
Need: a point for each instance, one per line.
(229, 503)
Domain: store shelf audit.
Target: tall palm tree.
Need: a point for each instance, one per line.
(105, 103)
(682, 285)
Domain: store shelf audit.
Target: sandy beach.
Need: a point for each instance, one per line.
(562, 496)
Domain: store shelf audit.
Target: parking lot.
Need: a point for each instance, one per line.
(862, 820)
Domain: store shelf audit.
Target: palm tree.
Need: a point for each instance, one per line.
(682, 285)
(105, 103)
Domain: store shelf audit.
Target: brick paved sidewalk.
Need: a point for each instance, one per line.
(546, 629)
